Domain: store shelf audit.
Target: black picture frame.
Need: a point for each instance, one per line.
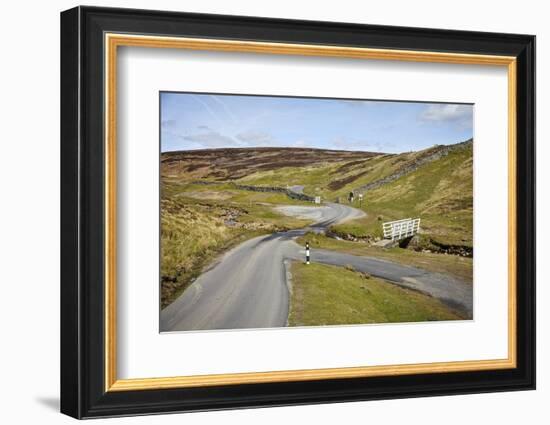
(83, 392)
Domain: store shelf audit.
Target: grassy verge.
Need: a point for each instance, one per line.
(460, 267)
(329, 295)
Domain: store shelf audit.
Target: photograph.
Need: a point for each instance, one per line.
(280, 211)
(284, 210)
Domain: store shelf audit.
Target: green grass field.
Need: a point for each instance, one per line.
(329, 295)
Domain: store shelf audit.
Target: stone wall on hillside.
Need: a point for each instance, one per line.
(438, 153)
(290, 193)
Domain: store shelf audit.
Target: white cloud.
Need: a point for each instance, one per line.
(459, 114)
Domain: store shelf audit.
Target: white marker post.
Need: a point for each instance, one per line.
(307, 252)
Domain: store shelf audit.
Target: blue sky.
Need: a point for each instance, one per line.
(205, 121)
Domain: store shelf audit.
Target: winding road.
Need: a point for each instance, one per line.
(246, 287)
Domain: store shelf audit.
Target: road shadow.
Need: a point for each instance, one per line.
(51, 403)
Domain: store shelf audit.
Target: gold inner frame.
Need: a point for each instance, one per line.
(113, 41)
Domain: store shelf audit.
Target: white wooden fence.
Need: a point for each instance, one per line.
(400, 229)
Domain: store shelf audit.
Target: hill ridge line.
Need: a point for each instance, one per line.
(270, 149)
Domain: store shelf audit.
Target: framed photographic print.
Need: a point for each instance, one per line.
(261, 212)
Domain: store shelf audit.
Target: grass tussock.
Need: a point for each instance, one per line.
(191, 235)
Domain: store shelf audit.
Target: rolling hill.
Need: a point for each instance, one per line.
(207, 208)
